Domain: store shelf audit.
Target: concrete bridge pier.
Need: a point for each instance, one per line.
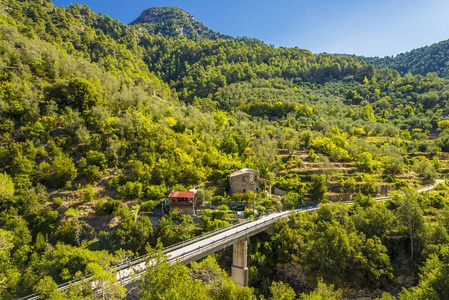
(240, 262)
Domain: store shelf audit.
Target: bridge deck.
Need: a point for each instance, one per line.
(201, 247)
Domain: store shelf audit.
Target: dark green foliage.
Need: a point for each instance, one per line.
(96, 158)
(207, 224)
(218, 200)
(77, 93)
(44, 222)
(134, 235)
(374, 221)
(20, 234)
(59, 172)
(91, 173)
(325, 258)
(418, 61)
(318, 188)
(203, 196)
(86, 99)
(433, 279)
(112, 207)
(175, 228)
(148, 206)
(292, 200)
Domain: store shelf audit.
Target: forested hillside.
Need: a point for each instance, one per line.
(174, 22)
(100, 120)
(421, 61)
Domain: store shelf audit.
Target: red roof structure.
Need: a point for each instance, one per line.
(181, 195)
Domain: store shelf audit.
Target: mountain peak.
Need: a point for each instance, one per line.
(175, 22)
(161, 14)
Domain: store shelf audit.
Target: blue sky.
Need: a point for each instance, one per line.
(370, 28)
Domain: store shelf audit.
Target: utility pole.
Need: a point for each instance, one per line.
(254, 204)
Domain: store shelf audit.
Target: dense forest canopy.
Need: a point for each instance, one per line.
(100, 120)
(420, 61)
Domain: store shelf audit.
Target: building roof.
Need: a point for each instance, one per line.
(240, 172)
(175, 194)
(263, 180)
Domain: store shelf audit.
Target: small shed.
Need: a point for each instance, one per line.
(184, 201)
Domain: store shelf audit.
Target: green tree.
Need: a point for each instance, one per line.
(318, 187)
(411, 216)
(134, 235)
(62, 171)
(105, 279)
(6, 186)
(287, 242)
(177, 227)
(433, 279)
(425, 169)
(96, 158)
(76, 93)
(374, 221)
(203, 196)
(9, 273)
(365, 161)
(48, 289)
(323, 292)
(368, 113)
(337, 255)
(164, 281)
(282, 291)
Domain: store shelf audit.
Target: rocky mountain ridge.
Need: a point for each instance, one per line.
(161, 14)
(175, 22)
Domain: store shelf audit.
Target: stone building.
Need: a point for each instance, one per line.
(246, 180)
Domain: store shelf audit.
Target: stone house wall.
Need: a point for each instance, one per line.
(244, 183)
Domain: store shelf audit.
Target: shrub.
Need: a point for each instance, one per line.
(248, 214)
(217, 214)
(437, 200)
(203, 196)
(131, 190)
(96, 158)
(89, 193)
(148, 206)
(207, 224)
(401, 183)
(91, 173)
(395, 164)
(58, 201)
(368, 188)
(223, 207)
(156, 192)
(291, 200)
(218, 200)
(111, 207)
(425, 169)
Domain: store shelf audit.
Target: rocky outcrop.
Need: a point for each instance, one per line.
(174, 22)
(161, 14)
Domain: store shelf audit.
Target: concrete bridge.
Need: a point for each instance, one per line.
(236, 235)
(195, 249)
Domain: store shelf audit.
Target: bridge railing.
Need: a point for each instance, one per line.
(193, 240)
(139, 270)
(142, 258)
(239, 233)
